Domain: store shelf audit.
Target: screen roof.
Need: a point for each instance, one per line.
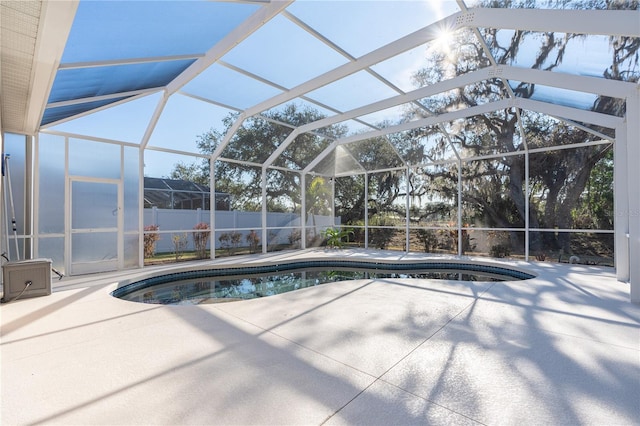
(359, 70)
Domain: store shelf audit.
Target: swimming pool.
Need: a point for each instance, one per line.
(218, 285)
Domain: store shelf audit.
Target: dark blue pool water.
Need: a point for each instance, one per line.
(231, 284)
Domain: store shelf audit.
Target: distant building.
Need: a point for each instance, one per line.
(179, 194)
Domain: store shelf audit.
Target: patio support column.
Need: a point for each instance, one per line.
(407, 229)
(633, 194)
(621, 204)
(459, 219)
(303, 210)
(333, 201)
(264, 209)
(366, 210)
(141, 208)
(526, 206)
(212, 206)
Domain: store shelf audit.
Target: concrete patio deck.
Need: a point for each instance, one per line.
(562, 348)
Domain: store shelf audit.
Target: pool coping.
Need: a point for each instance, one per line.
(180, 272)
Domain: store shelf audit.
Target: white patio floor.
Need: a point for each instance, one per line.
(562, 348)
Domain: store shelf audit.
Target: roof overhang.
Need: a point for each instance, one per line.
(34, 35)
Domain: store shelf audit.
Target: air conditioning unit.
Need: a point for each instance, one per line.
(27, 278)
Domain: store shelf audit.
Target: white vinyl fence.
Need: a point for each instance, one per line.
(279, 225)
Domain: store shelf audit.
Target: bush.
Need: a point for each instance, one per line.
(500, 244)
(229, 240)
(225, 241)
(295, 237)
(314, 240)
(335, 236)
(179, 244)
(381, 237)
(200, 239)
(450, 235)
(236, 238)
(500, 250)
(150, 240)
(253, 240)
(428, 238)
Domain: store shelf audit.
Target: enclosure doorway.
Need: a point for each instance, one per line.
(95, 238)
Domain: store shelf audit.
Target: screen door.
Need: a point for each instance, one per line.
(94, 218)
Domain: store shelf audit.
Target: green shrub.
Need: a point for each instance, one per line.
(335, 236)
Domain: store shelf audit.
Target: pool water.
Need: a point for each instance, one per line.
(217, 289)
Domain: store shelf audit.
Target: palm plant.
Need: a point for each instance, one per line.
(335, 236)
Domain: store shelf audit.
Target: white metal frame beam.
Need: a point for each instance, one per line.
(134, 95)
(578, 83)
(528, 104)
(390, 50)
(132, 61)
(103, 98)
(607, 22)
(429, 121)
(231, 40)
(595, 85)
(569, 113)
(603, 22)
(594, 22)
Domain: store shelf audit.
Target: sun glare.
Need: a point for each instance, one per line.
(443, 41)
